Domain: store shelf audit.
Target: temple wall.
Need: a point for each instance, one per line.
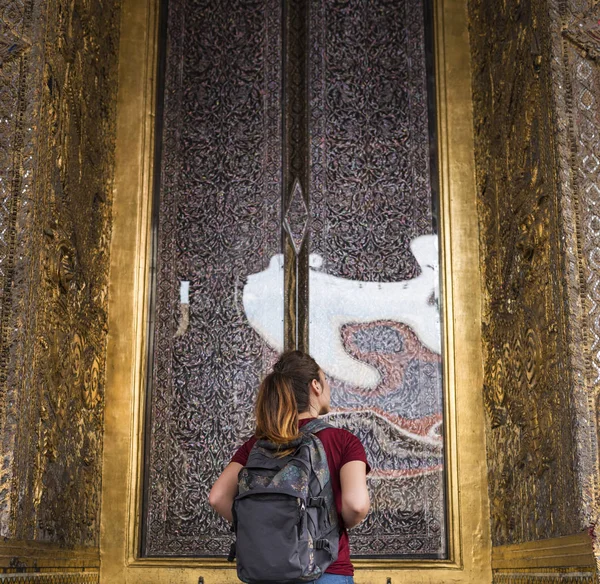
(538, 284)
(58, 77)
(535, 85)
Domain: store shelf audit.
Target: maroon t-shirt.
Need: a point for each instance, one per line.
(340, 447)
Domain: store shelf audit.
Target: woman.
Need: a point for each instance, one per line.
(295, 392)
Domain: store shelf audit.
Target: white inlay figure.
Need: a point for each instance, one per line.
(336, 301)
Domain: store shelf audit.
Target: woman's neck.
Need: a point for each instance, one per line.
(305, 415)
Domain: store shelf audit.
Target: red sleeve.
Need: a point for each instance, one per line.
(243, 452)
(353, 450)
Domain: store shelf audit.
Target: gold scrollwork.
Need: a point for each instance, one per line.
(65, 104)
(527, 379)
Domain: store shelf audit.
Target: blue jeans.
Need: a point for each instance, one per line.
(334, 579)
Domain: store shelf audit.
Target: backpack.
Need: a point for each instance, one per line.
(284, 514)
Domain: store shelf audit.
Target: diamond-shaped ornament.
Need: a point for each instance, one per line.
(295, 219)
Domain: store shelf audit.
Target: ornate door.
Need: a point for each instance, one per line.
(296, 207)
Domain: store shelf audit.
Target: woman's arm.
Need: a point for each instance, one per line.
(224, 491)
(355, 496)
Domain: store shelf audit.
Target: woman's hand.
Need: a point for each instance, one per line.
(355, 496)
(224, 490)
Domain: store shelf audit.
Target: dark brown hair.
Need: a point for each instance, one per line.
(283, 394)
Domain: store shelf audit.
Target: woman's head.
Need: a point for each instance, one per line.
(295, 386)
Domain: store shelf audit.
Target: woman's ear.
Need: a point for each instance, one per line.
(316, 387)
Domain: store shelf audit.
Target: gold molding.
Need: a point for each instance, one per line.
(52, 577)
(568, 552)
(46, 556)
(468, 515)
(127, 290)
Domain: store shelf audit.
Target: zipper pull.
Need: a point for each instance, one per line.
(301, 516)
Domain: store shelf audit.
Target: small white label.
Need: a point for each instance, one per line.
(184, 292)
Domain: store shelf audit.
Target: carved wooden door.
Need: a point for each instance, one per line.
(296, 206)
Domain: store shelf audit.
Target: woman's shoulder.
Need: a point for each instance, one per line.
(340, 437)
(242, 453)
(339, 432)
(345, 444)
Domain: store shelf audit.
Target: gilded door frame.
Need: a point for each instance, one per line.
(468, 515)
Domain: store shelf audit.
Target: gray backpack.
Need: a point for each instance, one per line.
(284, 515)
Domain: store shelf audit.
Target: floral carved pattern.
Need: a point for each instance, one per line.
(371, 194)
(576, 92)
(370, 168)
(351, 182)
(220, 216)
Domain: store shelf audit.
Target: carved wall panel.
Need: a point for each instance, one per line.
(575, 52)
(219, 221)
(565, 51)
(528, 377)
(20, 77)
(291, 128)
(375, 260)
(57, 105)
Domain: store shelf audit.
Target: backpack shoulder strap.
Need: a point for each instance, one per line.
(321, 495)
(315, 426)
